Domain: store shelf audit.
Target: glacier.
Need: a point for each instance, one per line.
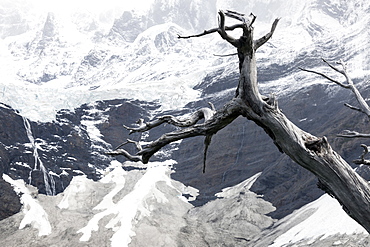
(55, 58)
(171, 64)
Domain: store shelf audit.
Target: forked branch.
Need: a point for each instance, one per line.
(203, 113)
(364, 107)
(212, 124)
(241, 17)
(221, 29)
(258, 43)
(348, 84)
(119, 151)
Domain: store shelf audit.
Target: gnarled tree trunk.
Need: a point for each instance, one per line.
(335, 176)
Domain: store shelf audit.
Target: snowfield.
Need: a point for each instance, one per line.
(115, 208)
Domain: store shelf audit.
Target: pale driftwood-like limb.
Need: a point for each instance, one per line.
(353, 134)
(361, 160)
(258, 43)
(316, 155)
(203, 113)
(218, 121)
(118, 151)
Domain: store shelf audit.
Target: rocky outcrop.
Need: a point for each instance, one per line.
(9, 200)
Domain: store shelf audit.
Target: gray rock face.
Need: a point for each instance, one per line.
(50, 29)
(64, 147)
(9, 200)
(129, 26)
(234, 219)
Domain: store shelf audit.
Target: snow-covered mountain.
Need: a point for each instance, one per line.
(71, 77)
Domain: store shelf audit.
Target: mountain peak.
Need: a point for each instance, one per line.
(129, 26)
(50, 28)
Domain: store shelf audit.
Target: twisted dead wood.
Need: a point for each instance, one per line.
(313, 153)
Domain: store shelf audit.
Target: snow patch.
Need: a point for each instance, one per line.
(133, 206)
(327, 219)
(229, 192)
(34, 214)
(78, 184)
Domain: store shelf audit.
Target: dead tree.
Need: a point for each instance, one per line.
(315, 154)
(363, 106)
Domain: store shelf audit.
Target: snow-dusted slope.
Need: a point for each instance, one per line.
(64, 52)
(103, 213)
(313, 223)
(148, 208)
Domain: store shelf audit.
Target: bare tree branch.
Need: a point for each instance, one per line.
(218, 121)
(236, 15)
(333, 67)
(326, 77)
(258, 43)
(353, 134)
(354, 108)
(137, 144)
(203, 113)
(311, 152)
(222, 30)
(213, 123)
(134, 158)
(364, 107)
(213, 30)
(117, 151)
(361, 160)
(227, 55)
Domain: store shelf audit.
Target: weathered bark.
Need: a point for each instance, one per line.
(313, 153)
